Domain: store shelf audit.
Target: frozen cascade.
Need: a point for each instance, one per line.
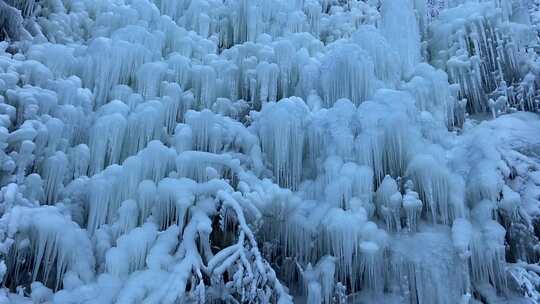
(400, 28)
(307, 151)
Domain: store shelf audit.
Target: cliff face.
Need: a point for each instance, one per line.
(256, 151)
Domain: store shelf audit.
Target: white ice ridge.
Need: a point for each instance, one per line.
(269, 151)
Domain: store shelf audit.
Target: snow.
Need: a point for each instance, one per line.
(311, 151)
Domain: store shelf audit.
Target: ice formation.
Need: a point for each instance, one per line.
(257, 151)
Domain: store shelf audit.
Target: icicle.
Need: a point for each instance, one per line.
(282, 139)
(371, 267)
(204, 85)
(327, 268)
(53, 172)
(400, 27)
(348, 76)
(106, 139)
(34, 187)
(24, 159)
(128, 177)
(342, 236)
(121, 92)
(131, 251)
(437, 189)
(413, 208)
(206, 132)
(184, 100)
(487, 259)
(146, 194)
(98, 204)
(79, 159)
(157, 161)
(109, 63)
(267, 79)
(143, 125)
(128, 214)
(462, 234)
(173, 201)
(383, 57)
(388, 201)
(183, 138)
(149, 78)
(432, 92)
(57, 245)
(54, 130)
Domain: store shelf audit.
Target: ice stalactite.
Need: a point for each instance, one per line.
(267, 79)
(438, 189)
(330, 135)
(349, 183)
(181, 69)
(101, 202)
(144, 124)
(299, 230)
(127, 217)
(146, 198)
(171, 205)
(383, 143)
(204, 86)
(319, 280)
(131, 251)
(149, 77)
(432, 93)
(400, 28)
(485, 180)
(396, 150)
(206, 132)
(81, 154)
(372, 267)
(53, 173)
(388, 200)
(183, 138)
(314, 289)
(381, 53)
(478, 54)
(346, 245)
(46, 245)
(24, 158)
(157, 160)
(280, 126)
(109, 63)
(413, 207)
(422, 279)
(487, 255)
(348, 76)
(174, 106)
(106, 138)
(462, 234)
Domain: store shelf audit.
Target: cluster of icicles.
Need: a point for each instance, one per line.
(483, 58)
(173, 151)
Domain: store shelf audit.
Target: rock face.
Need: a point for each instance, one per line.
(257, 151)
